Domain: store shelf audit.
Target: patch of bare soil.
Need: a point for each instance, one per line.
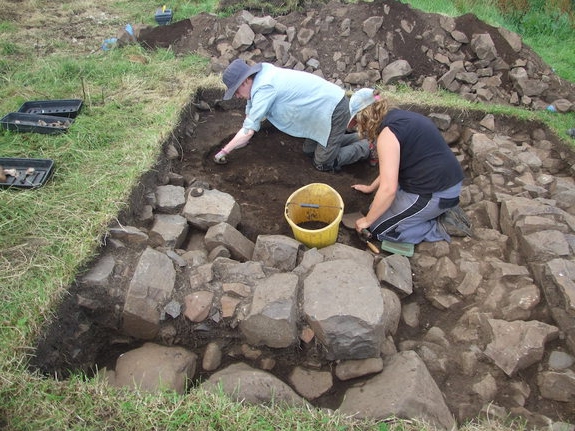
(263, 175)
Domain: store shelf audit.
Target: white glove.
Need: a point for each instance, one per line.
(220, 158)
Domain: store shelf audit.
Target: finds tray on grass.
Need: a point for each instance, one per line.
(68, 108)
(24, 173)
(24, 122)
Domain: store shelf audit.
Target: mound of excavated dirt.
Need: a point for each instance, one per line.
(378, 43)
(263, 175)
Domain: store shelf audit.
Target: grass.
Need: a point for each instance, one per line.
(132, 99)
(90, 405)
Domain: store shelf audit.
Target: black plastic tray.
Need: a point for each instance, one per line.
(61, 108)
(47, 124)
(42, 171)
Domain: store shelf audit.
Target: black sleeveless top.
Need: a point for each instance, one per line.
(426, 163)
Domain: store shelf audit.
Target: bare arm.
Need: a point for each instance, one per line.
(364, 188)
(240, 140)
(388, 151)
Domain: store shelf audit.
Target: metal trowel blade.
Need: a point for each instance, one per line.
(348, 220)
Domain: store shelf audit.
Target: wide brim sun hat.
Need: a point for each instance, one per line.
(359, 100)
(235, 74)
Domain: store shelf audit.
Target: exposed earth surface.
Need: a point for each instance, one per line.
(263, 175)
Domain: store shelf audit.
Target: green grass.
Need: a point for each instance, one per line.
(79, 404)
(190, 8)
(47, 235)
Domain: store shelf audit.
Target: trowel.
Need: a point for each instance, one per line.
(348, 220)
(402, 248)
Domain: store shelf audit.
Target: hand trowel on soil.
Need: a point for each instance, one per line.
(402, 248)
(348, 220)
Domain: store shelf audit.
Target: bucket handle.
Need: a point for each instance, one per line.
(304, 205)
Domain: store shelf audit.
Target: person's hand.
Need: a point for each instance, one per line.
(361, 224)
(221, 157)
(364, 188)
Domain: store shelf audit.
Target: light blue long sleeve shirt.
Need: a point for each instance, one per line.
(298, 103)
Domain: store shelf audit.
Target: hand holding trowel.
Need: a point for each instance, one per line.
(348, 220)
(402, 248)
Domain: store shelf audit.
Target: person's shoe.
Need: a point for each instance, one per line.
(325, 168)
(373, 159)
(455, 222)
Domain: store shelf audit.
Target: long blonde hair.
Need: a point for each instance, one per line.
(369, 118)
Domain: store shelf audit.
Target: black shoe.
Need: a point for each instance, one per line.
(455, 222)
(326, 168)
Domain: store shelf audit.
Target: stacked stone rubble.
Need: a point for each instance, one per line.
(276, 294)
(490, 66)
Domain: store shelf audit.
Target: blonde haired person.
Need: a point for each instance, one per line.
(417, 190)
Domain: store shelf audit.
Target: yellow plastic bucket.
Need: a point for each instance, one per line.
(315, 202)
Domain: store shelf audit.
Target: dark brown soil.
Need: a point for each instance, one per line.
(263, 175)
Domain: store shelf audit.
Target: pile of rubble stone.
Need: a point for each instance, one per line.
(379, 43)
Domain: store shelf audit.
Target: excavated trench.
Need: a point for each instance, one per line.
(86, 334)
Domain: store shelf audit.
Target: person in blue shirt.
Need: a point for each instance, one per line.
(299, 104)
(417, 191)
